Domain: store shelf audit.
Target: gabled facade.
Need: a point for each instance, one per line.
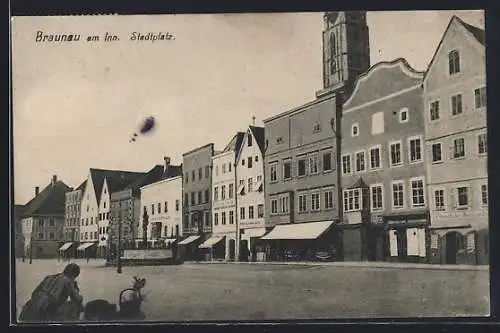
(456, 146)
(103, 218)
(71, 232)
(224, 219)
(250, 188)
(383, 169)
(43, 220)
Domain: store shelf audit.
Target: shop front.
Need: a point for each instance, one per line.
(213, 249)
(401, 238)
(309, 241)
(188, 248)
(252, 247)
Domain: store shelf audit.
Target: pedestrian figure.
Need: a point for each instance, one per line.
(49, 300)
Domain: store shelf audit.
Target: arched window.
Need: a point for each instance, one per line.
(454, 62)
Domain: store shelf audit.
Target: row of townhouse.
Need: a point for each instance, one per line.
(386, 163)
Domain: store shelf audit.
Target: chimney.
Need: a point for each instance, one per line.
(37, 190)
(54, 180)
(167, 164)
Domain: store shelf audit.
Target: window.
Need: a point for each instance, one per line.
(86, 221)
(216, 193)
(456, 104)
(302, 202)
(186, 199)
(200, 174)
(434, 110)
(360, 161)
(249, 164)
(231, 189)
(177, 205)
(216, 218)
(417, 193)
(301, 167)
(193, 175)
(229, 167)
(484, 194)
(40, 222)
(223, 192)
(91, 220)
(249, 140)
(453, 62)
(193, 198)
(327, 161)
(159, 208)
(242, 213)
(207, 218)
(274, 168)
(377, 197)
(459, 148)
(260, 210)
(199, 197)
(395, 148)
(40, 235)
(104, 204)
(351, 200)
(274, 206)
(436, 153)
(165, 207)
(186, 177)
(313, 163)
(250, 184)
(284, 205)
(250, 212)
(375, 158)
(315, 201)
(207, 171)
(223, 218)
(403, 115)
(256, 158)
(439, 200)
(482, 146)
(480, 97)
(216, 170)
(378, 123)
(355, 129)
(242, 161)
(223, 168)
(51, 223)
(207, 195)
(463, 197)
(328, 199)
(415, 147)
(287, 169)
(398, 195)
(231, 217)
(346, 164)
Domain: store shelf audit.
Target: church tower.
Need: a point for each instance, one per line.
(346, 50)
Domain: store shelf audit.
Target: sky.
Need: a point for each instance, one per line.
(76, 105)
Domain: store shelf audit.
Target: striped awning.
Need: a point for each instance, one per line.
(188, 240)
(65, 246)
(84, 246)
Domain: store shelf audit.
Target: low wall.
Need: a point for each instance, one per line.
(147, 254)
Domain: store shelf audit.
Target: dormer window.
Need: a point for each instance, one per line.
(454, 62)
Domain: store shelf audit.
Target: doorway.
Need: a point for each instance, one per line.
(454, 243)
(232, 249)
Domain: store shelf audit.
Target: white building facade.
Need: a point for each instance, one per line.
(103, 219)
(89, 214)
(162, 201)
(250, 189)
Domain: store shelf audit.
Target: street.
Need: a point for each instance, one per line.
(265, 292)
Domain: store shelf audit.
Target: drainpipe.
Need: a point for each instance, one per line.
(236, 214)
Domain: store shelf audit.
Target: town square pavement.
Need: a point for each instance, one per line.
(201, 292)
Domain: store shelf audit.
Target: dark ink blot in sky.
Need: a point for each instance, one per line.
(147, 125)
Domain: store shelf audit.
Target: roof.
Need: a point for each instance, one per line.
(153, 175)
(50, 201)
(478, 34)
(258, 133)
(360, 183)
(82, 186)
(235, 143)
(116, 179)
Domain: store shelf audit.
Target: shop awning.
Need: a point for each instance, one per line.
(310, 230)
(259, 186)
(210, 242)
(188, 240)
(84, 246)
(253, 232)
(241, 188)
(444, 231)
(65, 246)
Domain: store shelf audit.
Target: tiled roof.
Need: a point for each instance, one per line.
(235, 143)
(82, 186)
(153, 175)
(258, 133)
(117, 179)
(477, 32)
(50, 201)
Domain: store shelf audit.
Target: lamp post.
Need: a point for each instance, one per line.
(119, 254)
(145, 222)
(31, 248)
